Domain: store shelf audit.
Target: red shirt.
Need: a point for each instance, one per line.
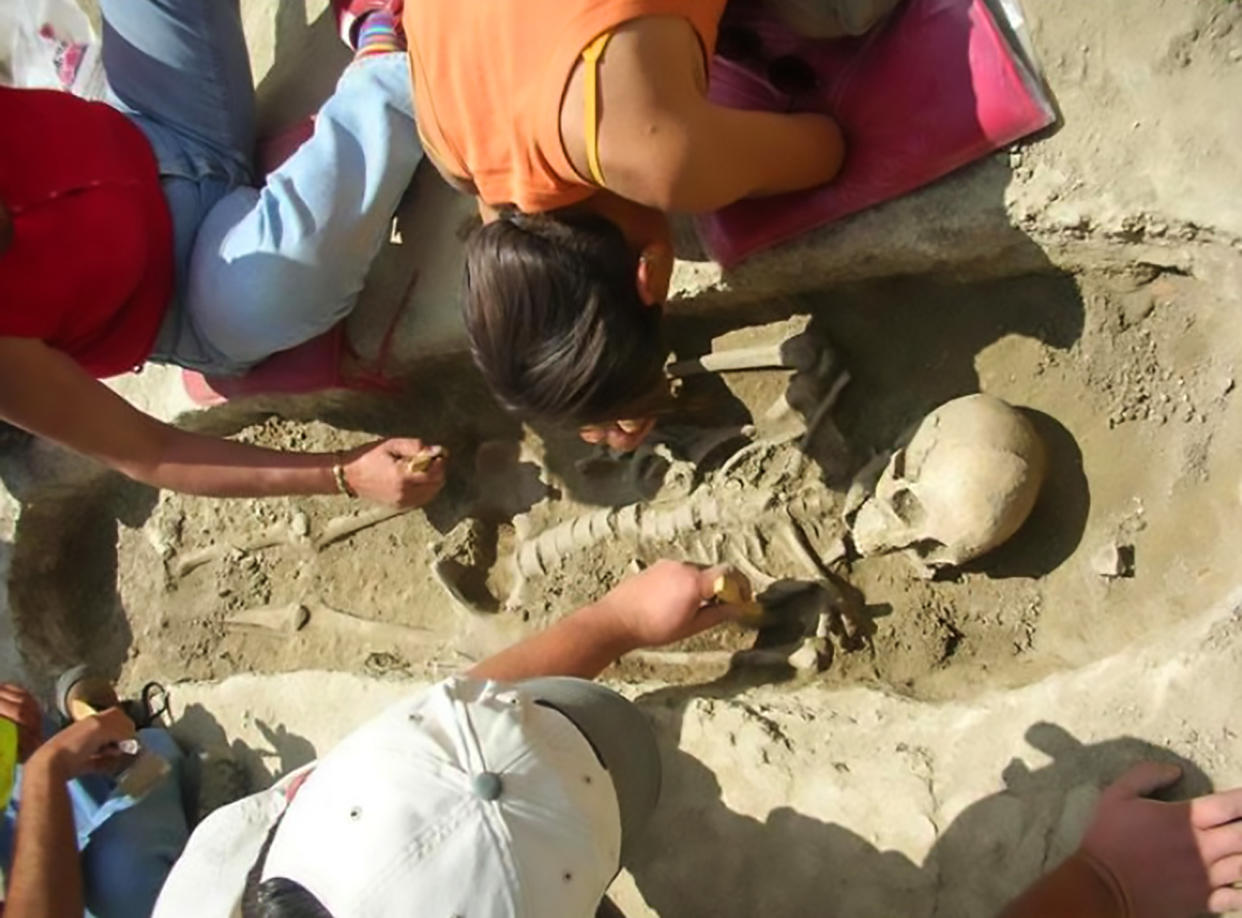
(90, 267)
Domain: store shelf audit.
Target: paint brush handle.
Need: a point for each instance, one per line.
(423, 460)
(733, 589)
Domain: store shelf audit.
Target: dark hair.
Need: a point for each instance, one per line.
(555, 321)
(278, 897)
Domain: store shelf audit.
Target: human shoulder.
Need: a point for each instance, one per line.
(651, 77)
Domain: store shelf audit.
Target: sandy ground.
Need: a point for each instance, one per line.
(776, 795)
(1090, 276)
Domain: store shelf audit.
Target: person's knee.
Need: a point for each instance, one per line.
(555, 321)
(252, 291)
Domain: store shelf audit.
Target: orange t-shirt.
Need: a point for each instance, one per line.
(489, 77)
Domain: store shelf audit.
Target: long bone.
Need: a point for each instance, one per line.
(799, 352)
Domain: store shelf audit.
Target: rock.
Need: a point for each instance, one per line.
(810, 657)
(1113, 560)
(299, 524)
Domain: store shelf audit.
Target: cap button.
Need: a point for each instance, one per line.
(487, 785)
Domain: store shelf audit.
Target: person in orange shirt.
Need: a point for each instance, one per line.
(580, 124)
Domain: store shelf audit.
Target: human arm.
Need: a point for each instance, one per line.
(45, 392)
(46, 880)
(1143, 858)
(667, 602)
(712, 156)
(19, 706)
(663, 143)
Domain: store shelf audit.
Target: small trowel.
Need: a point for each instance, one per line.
(732, 588)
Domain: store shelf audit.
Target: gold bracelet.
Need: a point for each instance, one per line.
(338, 473)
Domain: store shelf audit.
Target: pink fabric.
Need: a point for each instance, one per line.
(313, 365)
(932, 89)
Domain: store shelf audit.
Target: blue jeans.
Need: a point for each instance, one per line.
(258, 269)
(127, 846)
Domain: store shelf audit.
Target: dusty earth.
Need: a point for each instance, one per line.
(1090, 276)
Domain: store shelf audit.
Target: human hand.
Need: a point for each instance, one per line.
(666, 603)
(399, 472)
(19, 706)
(1173, 860)
(88, 745)
(624, 436)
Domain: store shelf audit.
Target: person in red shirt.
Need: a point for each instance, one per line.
(133, 230)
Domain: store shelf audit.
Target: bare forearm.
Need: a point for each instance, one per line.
(47, 872)
(46, 393)
(1075, 889)
(790, 152)
(582, 644)
(214, 467)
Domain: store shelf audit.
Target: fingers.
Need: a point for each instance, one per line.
(627, 436)
(1143, 779)
(1226, 871)
(16, 701)
(624, 436)
(1216, 809)
(711, 616)
(1225, 900)
(111, 726)
(1221, 843)
(407, 447)
(91, 742)
(413, 455)
(708, 577)
(19, 706)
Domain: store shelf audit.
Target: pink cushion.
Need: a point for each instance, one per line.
(309, 367)
(312, 366)
(932, 89)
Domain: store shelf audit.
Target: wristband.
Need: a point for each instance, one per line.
(338, 474)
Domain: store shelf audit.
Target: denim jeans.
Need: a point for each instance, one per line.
(127, 846)
(258, 269)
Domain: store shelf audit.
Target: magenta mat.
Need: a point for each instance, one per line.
(935, 87)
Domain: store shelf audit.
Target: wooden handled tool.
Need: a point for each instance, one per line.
(423, 460)
(734, 589)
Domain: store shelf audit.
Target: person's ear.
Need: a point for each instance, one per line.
(655, 272)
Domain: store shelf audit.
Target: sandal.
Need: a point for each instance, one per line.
(145, 710)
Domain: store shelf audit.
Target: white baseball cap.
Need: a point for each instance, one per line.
(473, 799)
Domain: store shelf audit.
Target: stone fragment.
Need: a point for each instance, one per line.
(1113, 560)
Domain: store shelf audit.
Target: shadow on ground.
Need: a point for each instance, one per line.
(790, 864)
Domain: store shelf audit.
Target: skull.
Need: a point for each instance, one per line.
(963, 483)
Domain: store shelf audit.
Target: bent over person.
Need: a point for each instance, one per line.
(133, 231)
(580, 125)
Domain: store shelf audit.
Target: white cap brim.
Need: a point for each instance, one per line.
(208, 879)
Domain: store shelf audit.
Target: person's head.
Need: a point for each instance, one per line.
(277, 897)
(534, 791)
(563, 314)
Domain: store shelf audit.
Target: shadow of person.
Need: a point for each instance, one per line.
(1001, 843)
(291, 751)
(220, 771)
(63, 594)
(293, 87)
(699, 856)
